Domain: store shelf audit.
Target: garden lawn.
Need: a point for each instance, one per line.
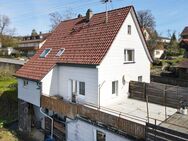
(8, 100)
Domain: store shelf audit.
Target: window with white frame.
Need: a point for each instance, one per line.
(60, 52)
(129, 55)
(129, 29)
(82, 88)
(115, 87)
(45, 52)
(139, 78)
(25, 83)
(100, 136)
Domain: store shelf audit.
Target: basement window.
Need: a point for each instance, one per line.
(139, 78)
(82, 88)
(25, 83)
(115, 87)
(45, 52)
(100, 136)
(60, 52)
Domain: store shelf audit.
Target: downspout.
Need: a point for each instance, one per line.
(100, 85)
(51, 122)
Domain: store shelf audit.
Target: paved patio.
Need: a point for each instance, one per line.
(137, 110)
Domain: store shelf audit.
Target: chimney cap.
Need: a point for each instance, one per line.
(89, 14)
(89, 10)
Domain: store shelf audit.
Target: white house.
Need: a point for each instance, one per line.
(88, 60)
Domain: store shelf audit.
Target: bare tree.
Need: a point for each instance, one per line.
(146, 19)
(56, 17)
(6, 33)
(4, 23)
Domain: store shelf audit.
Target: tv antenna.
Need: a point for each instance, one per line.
(106, 2)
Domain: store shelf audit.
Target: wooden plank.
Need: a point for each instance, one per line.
(151, 137)
(167, 130)
(165, 135)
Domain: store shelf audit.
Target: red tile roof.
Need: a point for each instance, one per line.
(84, 43)
(184, 44)
(185, 31)
(185, 41)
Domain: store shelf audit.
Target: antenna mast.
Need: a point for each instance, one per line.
(106, 2)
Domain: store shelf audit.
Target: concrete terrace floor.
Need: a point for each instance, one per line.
(136, 110)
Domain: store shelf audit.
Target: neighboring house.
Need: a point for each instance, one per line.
(146, 33)
(183, 66)
(7, 51)
(184, 41)
(184, 33)
(30, 44)
(183, 69)
(164, 40)
(158, 52)
(159, 49)
(88, 61)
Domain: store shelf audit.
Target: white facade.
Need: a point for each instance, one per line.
(30, 92)
(58, 82)
(113, 68)
(158, 53)
(82, 131)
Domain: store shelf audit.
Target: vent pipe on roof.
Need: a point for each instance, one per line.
(79, 15)
(89, 14)
(106, 3)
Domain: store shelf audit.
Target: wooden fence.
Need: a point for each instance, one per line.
(169, 80)
(162, 94)
(59, 131)
(158, 133)
(72, 110)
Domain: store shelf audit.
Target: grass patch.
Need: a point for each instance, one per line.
(8, 100)
(6, 135)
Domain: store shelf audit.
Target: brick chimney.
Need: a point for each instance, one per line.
(89, 14)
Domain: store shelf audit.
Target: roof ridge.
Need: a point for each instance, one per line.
(130, 6)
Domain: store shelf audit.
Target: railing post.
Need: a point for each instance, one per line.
(164, 100)
(155, 128)
(147, 108)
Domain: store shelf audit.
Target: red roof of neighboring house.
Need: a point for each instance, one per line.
(185, 41)
(184, 44)
(84, 43)
(185, 31)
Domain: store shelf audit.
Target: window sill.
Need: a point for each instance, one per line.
(129, 62)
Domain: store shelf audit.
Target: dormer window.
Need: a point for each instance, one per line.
(60, 52)
(45, 52)
(129, 29)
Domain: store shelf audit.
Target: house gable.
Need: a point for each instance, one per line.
(113, 66)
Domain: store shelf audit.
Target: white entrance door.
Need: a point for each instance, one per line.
(74, 90)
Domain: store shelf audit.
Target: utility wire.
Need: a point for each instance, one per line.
(46, 12)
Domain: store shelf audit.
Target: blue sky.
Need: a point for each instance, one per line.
(26, 15)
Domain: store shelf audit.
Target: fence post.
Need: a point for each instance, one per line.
(155, 128)
(147, 108)
(164, 100)
(144, 91)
